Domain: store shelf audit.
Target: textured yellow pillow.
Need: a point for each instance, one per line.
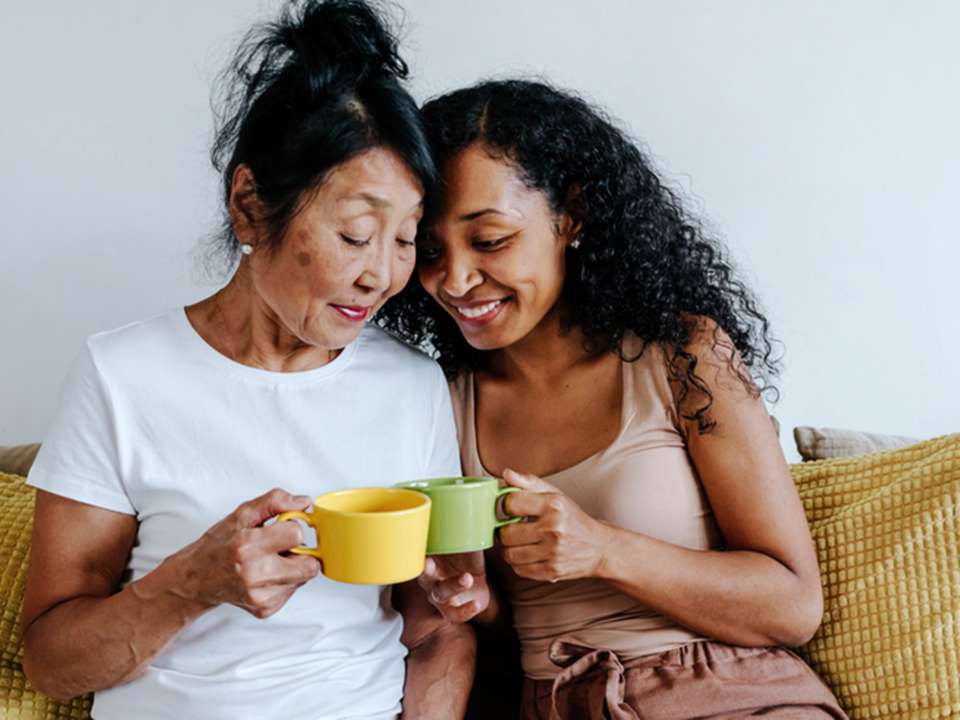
(18, 701)
(887, 531)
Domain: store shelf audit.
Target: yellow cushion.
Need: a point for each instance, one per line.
(18, 701)
(887, 531)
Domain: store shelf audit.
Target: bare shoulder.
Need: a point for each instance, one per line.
(709, 378)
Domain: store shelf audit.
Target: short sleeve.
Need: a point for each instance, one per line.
(78, 458)
(443, 459)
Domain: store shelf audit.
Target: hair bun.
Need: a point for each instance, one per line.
(332, 40)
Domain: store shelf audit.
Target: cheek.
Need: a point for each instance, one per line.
(318, 265)
(404, 264)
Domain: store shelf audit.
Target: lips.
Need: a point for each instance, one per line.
(481, 312)
(353, 313)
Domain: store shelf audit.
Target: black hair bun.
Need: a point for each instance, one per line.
(339, 40)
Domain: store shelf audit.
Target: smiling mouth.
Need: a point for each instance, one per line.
(479, 314)
(354, 313)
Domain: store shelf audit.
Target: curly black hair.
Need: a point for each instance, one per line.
(644, 265)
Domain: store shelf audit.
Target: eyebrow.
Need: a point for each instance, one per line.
(371, 199)
(486, 211)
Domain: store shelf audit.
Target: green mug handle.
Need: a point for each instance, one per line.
(511, 520)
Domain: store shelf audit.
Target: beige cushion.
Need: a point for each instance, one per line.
(17, 460)
(825, 443)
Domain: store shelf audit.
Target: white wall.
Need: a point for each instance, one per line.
(819, 139)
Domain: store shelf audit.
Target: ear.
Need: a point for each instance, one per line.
(568, 228)
(244, 205)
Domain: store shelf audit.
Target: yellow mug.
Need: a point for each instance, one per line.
(373, 536)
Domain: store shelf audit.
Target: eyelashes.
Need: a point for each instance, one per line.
(355, 242)
(358, 242)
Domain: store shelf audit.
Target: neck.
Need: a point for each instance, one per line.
(239, 324)
(548, 352)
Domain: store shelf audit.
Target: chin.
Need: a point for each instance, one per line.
(489, 341)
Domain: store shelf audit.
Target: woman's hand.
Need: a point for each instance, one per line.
(558, 541)
(238, 560)
(456, 585)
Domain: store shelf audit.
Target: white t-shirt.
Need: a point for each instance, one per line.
(155, 423)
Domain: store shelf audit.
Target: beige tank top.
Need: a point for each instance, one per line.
(643, 481)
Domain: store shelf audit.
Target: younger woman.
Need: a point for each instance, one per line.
(607, 362)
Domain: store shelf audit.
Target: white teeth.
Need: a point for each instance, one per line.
(475, 312)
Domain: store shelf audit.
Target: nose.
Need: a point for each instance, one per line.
(377, 268)
(458, 273)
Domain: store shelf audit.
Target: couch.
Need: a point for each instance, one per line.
(884, 513)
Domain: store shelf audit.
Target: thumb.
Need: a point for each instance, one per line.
(430, 569)
(526, 481)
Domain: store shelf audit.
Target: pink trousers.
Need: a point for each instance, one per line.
(700, 680)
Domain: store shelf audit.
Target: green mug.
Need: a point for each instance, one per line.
(463, 516)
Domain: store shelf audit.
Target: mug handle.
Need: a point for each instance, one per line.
(298, 515)
(511, 520)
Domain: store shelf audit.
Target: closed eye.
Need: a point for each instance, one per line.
(356, 242)
(492, 244)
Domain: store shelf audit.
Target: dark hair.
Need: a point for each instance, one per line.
(644, 266)
(307, 92)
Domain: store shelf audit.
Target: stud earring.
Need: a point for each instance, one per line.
(246, 248)
(575, 244)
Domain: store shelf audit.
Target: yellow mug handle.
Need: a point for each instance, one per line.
(298, 515)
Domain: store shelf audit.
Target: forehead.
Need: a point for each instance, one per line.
(475, 180)
(378, 172)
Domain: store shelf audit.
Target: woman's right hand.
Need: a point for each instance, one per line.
(456, 585)
(239, 561)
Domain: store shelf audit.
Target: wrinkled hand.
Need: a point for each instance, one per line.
(238, 560)
(558, 541)
(456, 585)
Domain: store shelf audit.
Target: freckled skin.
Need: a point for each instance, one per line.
(303, 258)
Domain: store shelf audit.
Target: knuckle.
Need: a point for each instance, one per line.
(426, 583)
(555, 503)
(292, 533)
(311, 568)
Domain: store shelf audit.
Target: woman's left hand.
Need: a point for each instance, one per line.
(558, 541)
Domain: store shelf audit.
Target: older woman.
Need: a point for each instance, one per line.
(143, 586)
(603, 349)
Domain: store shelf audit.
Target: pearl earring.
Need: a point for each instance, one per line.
(246, 248)
(575, 244)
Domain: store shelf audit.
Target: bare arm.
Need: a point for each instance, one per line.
(763, 589)
(441, 662)
(78, 557)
